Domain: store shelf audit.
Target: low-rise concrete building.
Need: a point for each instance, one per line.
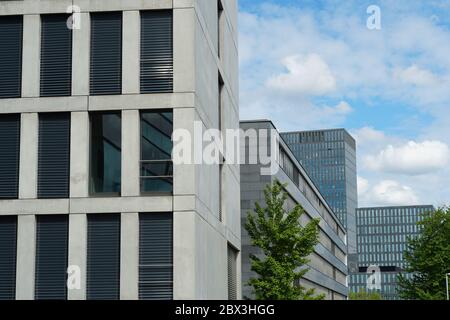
(328, 263)
(90, 93)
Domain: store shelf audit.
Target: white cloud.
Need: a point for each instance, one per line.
(307, 75)
(411, 159)
(363, 185)
(416, 76)
(368, 136)
(389, 192)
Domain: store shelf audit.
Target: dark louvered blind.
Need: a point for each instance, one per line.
(8, 247)
(54, 155)
(51, 257)
(11, 56)
(9, 155)
(232, 274)
(103, 257)
(56, 56)
(106, 53)
(156, 51)
(155, 257)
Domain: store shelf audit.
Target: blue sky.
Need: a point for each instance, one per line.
(314, 64)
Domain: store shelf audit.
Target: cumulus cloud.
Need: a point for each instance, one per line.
(411, 159)
(416, 76)
(307, 75)
(385, 193)
(368, 136)
(363, 185)
(389, 192)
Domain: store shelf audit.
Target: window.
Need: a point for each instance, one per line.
(156, 51)
(232, 273)
(9, 155)
(56, 56)
(106, 144)
(54, 155)
(155, 256)
(222, 160)
(156, 152)
(106, 53)
(51, 257)
(8, 247)
(11, 29)
(103, 257)
(220, 27)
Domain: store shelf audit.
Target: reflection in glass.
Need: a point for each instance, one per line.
(156, 152)
(105, 153)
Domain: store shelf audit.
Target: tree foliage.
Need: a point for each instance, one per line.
(364, 295)
(285, 244)
(428, 259)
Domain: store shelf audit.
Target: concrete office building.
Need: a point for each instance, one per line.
(329, 157)
(328, 264)
(382, 234)
(86, 173)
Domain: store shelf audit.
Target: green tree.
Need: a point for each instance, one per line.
(428, 259)
(285, 244)
(364, 295)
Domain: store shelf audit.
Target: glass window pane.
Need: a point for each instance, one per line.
(156, 151)
(106, 144)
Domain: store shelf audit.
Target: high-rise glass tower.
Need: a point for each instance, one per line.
(329, 157)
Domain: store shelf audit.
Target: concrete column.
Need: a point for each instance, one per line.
(78, 252)
(79, 155)
(81, 57)
(29, 129)
(130, 153)
(26, 253)
(131, 52)
(184, 256)
(184, 49)
(129, 256)
(31, 56)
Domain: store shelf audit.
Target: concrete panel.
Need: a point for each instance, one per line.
(184, 174)
(184, 50)
(60, 6)
(129, 257)
(131, 52)
(53, 104)
(81, 56)
(34, 206)
(79, 155)
(31, 56)
(122, 5)
(78, 252)
(130, 153)
(184, 256)
(26, 251)
(29, 129)
(115, 205)
(142, 101)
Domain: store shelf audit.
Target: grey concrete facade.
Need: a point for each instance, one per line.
(200, 238)
(328, 263)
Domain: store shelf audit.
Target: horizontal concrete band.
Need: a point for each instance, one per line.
(86, 205)
(324, 281)
(98, 103)
(60, 6)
